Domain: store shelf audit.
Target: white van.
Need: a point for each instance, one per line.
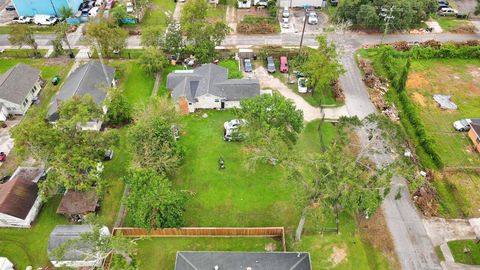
(93, 12)
(44, 19)
(98, 3)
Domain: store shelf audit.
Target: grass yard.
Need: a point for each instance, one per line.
(457, 249)
(158, 13)
(234, 71)
(136, 84)
(21, 53)
(216, 13)
(160, 253)
(451, 24)
(461, 80)
(319, 97)
(26, 247)
(5, 29)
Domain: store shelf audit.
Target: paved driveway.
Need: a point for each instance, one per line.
(309, 112)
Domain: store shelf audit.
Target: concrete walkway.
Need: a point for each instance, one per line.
(231, 18)
(309, 112)
(442, 230)
(178, 11)
(156, 85)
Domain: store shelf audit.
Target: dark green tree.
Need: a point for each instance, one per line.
(119, 110)
(153, 60)
(152, 203)
(21, 35)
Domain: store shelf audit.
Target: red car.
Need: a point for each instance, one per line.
(3, 156)
(283, 64)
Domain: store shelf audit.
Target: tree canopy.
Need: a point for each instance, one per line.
(107, 35)
(367, 14)
(154, 144)
(119, 109)
(72, 152)
(21, 35)
(152, 203)
(153, 60)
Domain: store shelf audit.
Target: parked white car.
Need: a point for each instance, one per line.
(285, 23)
(129, 7)
(44, 20)
(22, 19)
(302, 85)
(93, 12)
(462, 125)
(234, 124)
(312, 18)
(285, 12)
(446, 11)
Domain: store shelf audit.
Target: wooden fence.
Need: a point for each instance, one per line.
(261, 232)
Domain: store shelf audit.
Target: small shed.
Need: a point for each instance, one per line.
(474, 135)
(76, 204)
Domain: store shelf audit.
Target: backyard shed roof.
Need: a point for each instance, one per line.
(17, 82)
(192, 260)
(476, 128)
(63, 233)
(78, 202)
(18, 194)
(210, 79)
(88, 79)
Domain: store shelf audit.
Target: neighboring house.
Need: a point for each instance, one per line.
(48, 7)
(6, 264)
(76, 204)
(191, 260)
(474, 135)
(302, 3)
(19, 198)
(208, 87)
(88, 79)
(19, 86)
(76, 255)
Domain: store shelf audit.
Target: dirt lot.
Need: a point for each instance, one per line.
(296, 20)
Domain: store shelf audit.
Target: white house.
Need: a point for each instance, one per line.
(208, 87)
(79, 254)
(19, 86)
(19, 199)
(6, 264)
(88, 79)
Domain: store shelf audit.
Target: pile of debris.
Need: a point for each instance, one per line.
(338, 92)
(378, 88)
(425, 197)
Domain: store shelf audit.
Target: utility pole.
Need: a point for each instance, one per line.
(303, 32)
(386, 18)
(54, 9)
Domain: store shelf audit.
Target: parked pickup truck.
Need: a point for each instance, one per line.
(22, 19)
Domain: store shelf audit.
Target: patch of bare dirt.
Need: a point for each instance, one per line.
(420, 99)
(270, 247)
(375, 231)
(474, 88)
(339, 254)
(416, 80)
(464, 29)
(57, 61)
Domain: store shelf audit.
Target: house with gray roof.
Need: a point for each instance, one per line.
(19, 86)
(78, 253)
(193, 260)
(208, 87)
(89, 79)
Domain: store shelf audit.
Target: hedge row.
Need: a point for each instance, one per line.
(409, 111)
(446, 51)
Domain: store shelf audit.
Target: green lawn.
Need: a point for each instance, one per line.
(451, 24)
(29, 246)
(136, 84)
(158, 13)
(318, 98)
(160, 253)
(233, 68)
(217, 13)
(457, 249)
(5, 29)
(21, 53)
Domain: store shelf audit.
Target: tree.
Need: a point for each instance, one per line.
(119, 109)
(202, 36)
(153, 60)
(57, 47)
(61, 30)
(119, 12)
(66, 12)
(72, 153)
(102, 245)
(152, 36)
(106, 35)
(367, 17)
(337, 180)
(273, 125)
(322, 66)
(153, 140)
(21, 35)
(152, 203)
(173, 41)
